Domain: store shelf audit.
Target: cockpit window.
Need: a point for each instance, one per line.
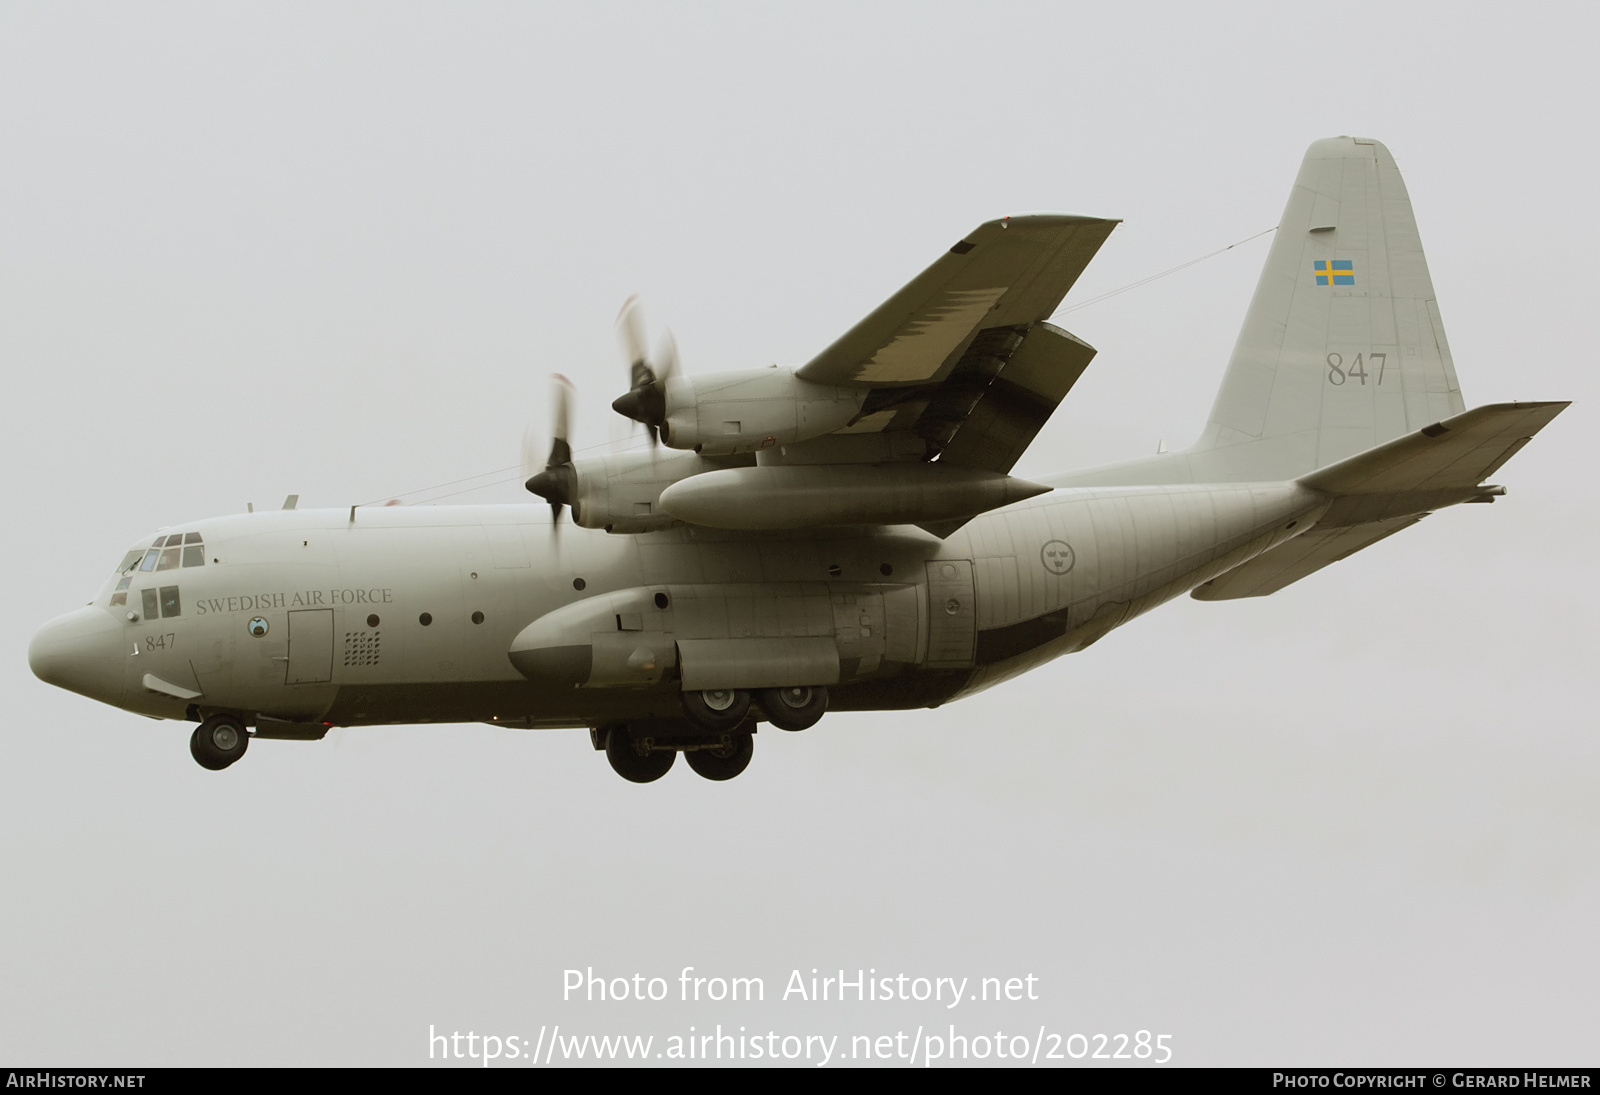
(185, 549)
(152, 603)
(170, 605)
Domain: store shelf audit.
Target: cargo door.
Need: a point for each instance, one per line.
(952, 614)
(310, 646)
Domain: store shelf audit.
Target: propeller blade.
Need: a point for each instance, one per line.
(666, 358)
(557, 483)
(646, 399)
(630, 329)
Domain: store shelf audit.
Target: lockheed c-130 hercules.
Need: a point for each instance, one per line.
(845, 534)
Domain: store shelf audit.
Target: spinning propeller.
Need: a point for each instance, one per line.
(646, 401)
(558, 482)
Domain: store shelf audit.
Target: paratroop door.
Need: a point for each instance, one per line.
(952, 614)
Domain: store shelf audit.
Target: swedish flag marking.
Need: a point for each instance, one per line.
(1335, 272)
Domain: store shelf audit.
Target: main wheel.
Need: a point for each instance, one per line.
(633, 759)
(218, 742)
(719, 710)
(793, 708)
(726, 761)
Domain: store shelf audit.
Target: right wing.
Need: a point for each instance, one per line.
(1010, 272)
(960, 358)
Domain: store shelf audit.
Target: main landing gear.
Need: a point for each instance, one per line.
(644, 752)
(716, 734)
(218, 742)
(722, 709)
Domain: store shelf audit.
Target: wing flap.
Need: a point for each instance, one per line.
(1018, 402)
(1010, 272)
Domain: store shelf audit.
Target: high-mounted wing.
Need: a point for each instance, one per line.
(1010, 272)
(962, 352)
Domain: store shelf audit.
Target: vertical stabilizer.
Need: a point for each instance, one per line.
(1342, 348)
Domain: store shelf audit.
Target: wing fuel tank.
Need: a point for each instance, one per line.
(809, 496)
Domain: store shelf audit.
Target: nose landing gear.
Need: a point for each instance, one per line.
(218, 742)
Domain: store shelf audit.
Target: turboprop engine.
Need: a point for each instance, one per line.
(621, 492)
(751, 410)
(724, 413)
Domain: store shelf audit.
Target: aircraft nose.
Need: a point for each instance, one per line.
(81, 652)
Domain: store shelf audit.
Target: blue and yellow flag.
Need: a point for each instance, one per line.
(1335, 271)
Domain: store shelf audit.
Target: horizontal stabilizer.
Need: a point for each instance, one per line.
(1438, 465)
(1305, 554)
(1391, 487)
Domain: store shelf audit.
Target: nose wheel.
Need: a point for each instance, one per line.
(218, 742)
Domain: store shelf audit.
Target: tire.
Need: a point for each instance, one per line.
(719, 711)
(725, 762)
(218, 742)
(633, 763)
(793, 708)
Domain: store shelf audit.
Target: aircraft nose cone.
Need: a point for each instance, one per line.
(81, 652)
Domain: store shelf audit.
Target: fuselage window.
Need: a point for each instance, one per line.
(150, 558)
(169, 558)
(170, 605)
(152, 603)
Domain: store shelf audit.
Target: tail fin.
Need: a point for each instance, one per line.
(1342, 348)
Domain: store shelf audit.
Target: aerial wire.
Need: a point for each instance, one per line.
(517, 468)
(1157, 277)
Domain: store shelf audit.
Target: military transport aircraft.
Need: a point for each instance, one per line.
(845, 534)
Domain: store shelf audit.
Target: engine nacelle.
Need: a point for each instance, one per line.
(622, 492)
(753, 409)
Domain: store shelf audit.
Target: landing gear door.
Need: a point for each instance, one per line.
(310, 646)
(952, 614)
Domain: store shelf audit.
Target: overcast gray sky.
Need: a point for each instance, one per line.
(337, 250)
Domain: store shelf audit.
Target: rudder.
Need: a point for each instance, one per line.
(1342, 347)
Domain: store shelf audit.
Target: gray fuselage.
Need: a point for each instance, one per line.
(317, 616)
